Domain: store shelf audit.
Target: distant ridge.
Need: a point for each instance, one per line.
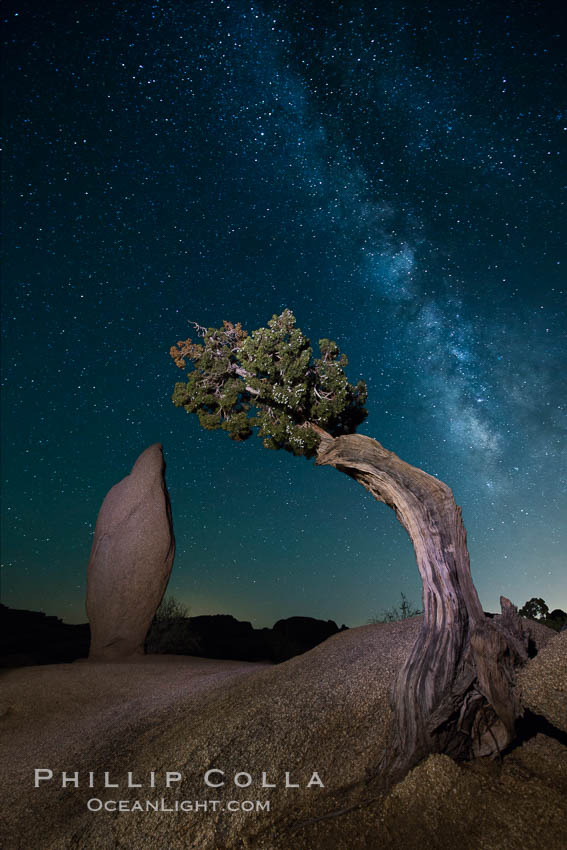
(32, 637)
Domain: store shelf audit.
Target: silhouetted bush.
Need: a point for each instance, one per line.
(537, 609)
(170, 609)
(173, 637)
(393, 615)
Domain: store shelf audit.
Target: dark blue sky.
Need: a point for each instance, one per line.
(395, 175)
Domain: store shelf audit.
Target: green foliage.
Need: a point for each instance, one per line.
(269, 381)
(402, 612)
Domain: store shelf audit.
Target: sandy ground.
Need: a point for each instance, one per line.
(326, 711)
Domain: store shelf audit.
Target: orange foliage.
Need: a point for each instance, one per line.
(188, 350)
(185, 348)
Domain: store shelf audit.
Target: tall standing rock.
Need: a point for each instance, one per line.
(131, 559)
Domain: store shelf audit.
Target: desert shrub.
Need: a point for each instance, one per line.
(172, 637)
(171, 632)
(403, 611)
(170, 609)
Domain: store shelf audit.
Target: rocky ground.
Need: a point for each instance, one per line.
(326, 712)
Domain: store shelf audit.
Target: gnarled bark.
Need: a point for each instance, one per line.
(455, 692)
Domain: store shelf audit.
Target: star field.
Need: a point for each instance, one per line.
(392, 173)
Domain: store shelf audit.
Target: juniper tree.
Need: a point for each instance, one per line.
(269, 381)
(455, 692)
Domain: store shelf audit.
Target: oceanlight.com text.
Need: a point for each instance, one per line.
(162, 805)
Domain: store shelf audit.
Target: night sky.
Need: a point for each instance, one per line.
(394, 174)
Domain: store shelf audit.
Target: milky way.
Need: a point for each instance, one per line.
(394, 175)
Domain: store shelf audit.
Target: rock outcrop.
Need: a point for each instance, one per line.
(223, 636)
(32, 637)
(131, 559)
(296, 635)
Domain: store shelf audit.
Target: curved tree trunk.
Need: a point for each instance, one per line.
(455, 692)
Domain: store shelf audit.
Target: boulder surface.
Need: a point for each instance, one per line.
(543, 682)
(328, 710)
(131, 559)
